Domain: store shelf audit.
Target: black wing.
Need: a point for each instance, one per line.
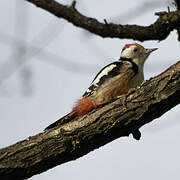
(107, 72)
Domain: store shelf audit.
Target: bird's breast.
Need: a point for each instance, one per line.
(117, 86)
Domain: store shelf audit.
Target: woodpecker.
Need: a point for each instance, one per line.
(115, 79)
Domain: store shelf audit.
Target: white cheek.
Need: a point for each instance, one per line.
(104, 72)
(128, 53)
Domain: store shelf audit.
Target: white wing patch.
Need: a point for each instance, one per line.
(103, 73)
(88, 91)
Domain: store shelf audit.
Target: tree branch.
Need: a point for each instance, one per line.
(177, 4)
(159, 30)
(77, 138)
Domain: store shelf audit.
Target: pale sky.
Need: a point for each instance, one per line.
(46, 65)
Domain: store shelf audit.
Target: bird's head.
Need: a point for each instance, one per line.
(136, 53)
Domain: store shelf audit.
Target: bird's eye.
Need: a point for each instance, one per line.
(135, 49)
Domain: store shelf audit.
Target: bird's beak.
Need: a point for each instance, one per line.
(151, 50)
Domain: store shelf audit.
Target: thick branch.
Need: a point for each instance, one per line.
(177, 4)
(167, 22)
(76, 138)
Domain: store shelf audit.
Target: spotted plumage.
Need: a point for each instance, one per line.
(108, 72)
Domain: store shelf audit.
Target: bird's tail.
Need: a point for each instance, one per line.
(62, 120)
(82, 107)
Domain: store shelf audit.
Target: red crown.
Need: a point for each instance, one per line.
(133, 44)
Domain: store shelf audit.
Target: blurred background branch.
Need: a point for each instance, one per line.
(140, 10)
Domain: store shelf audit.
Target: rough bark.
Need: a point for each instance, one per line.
(159, 30)
(177, 4)
(76, 138)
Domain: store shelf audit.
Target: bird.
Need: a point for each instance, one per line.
(112, 81)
